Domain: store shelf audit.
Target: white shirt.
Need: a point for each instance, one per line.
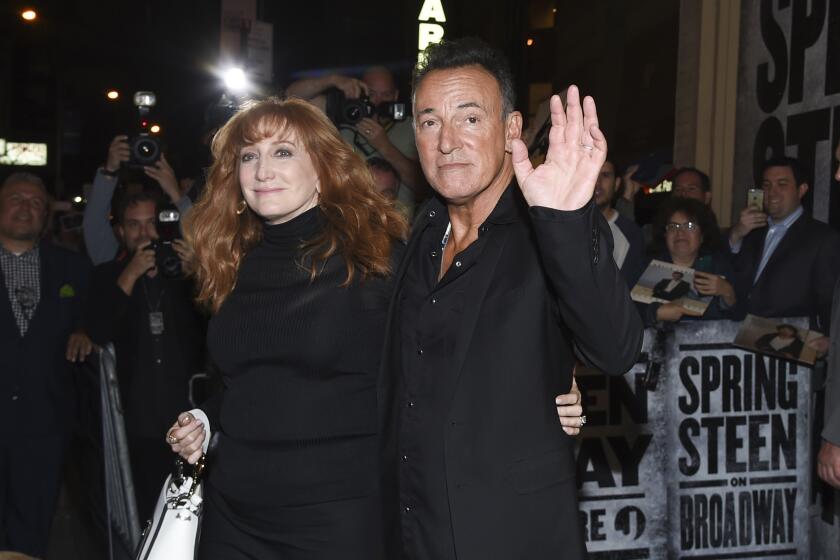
(621, 246)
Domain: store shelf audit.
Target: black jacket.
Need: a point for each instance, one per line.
(680, 290)
(554, 292)
(792, 350)
(152, 396)
(798, 280)
(37, 393)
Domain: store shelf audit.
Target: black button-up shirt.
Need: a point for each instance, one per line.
(430, 322)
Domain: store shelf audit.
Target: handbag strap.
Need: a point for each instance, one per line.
(180, 476)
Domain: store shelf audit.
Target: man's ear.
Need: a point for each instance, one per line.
(617, 184)
(120, 233)
(707, 198)
(803, 189)
(513, 129)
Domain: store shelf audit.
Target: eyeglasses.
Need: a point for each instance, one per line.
(674, 226)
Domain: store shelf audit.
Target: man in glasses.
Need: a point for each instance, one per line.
(41, 292)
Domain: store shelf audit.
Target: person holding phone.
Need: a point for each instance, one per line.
(785, 261)
(686, 231)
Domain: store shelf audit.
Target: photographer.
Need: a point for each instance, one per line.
(148, 314)
(100, 241)
(375, 136)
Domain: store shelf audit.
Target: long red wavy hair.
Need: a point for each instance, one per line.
(360, 224)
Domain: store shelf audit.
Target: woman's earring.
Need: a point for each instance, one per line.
(241, 207)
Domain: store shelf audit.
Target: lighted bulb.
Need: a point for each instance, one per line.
(29, 15)
(77, 199)
(236, 80)
(113, 95)
(154, 129)
(529, 42)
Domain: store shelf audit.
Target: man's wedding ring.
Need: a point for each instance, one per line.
(582, 420)
(171, 439)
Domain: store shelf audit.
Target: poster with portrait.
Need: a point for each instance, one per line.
(774, 337)
(664, 282)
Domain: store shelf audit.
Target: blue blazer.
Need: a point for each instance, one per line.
(37, 396)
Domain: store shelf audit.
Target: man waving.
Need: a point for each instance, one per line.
(508, 277)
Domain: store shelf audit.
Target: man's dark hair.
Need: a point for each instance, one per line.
(469, 51)
(381, 164)
(133, 199)
(784, 161)
(696, 212)
(791, 328)
(704, 179)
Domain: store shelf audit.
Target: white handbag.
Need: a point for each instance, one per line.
(174, 530)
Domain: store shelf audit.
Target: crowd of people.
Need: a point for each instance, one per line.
(370, 401)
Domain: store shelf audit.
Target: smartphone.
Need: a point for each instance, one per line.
(704, 263)
(755, 198)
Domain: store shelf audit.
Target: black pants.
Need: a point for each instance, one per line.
(349, 529)
(30, 479)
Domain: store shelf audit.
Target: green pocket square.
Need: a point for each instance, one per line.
(66, 291)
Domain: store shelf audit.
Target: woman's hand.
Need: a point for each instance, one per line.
(670, 312)
(186, 437)
(708, 284)
(570, 410)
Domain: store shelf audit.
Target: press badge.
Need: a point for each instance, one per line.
(156, 322)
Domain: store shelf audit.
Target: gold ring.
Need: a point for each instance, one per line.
(171, 439)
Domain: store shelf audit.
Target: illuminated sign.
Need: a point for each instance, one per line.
(23, 153)
(428, 32)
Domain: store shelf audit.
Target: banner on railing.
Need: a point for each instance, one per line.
(707, 456)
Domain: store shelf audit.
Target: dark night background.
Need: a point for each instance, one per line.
(55, 71)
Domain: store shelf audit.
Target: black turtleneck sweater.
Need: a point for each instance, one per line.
(297, 417)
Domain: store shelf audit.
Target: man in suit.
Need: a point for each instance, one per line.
(41, 292)
(785, 341)
(672, 289)
(508, 276)
(786, 263)
(628, 240)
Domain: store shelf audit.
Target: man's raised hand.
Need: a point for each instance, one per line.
(576, 151)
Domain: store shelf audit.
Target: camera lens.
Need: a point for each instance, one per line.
(353, 112)
(145, 150)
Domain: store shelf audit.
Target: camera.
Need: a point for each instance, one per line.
(144, 148)
(344, 111)
(168, 225)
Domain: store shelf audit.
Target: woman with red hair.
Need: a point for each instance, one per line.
(293, 250)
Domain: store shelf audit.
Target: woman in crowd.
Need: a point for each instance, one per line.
(294, 250)
(686, 231)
